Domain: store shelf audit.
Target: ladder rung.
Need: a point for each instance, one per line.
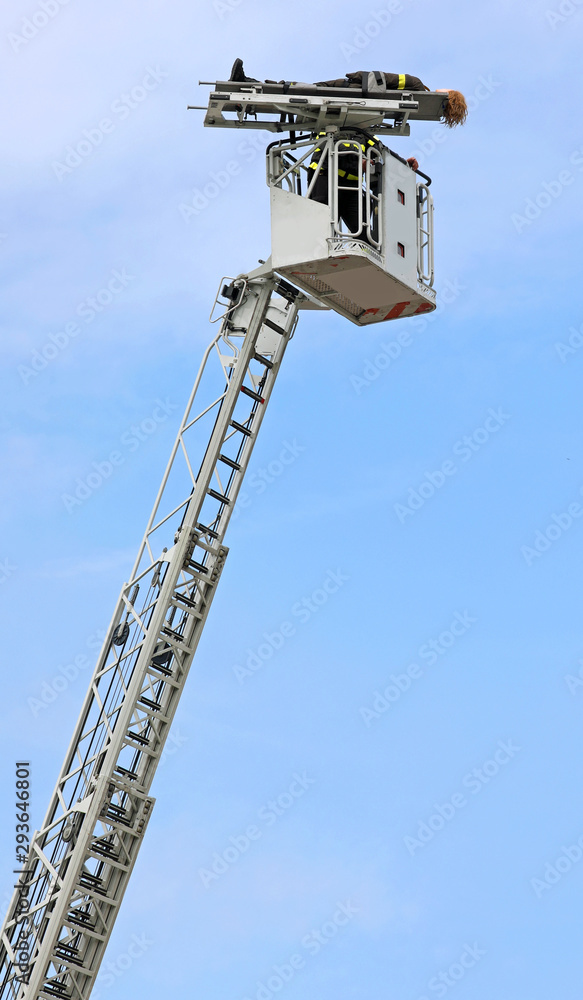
(161, 669)
(103, 847)
(230, 463)
(54, 990)
(118, 810)
(69, 959)
(239, 427)
(124, 771)
(273, 326)
(67, 947)
(81, 919)
(117, 819)
(217, 496)
(175, 635)
(253, 395)
(184, 600)
(206, 530)
(142, 740)
(150, 704)
(263, 361)
(196, 566)
(104, 854)
(93, 888)
(91, 878)
(191, 608)
(80, 916)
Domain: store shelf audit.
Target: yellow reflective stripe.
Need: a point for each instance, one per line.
(401, 81)
(313, 166)
(342, 173)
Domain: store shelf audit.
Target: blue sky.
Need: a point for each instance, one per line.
(429, 842)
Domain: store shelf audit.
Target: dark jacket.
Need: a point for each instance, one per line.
(393, 81)
(348, 166)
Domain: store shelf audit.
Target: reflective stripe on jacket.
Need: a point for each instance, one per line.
(352, 159)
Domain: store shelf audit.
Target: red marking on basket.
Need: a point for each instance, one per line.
(397, 310)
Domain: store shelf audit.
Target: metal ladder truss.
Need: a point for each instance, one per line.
(67, 897)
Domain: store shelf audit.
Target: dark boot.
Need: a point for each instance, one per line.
(237, 74)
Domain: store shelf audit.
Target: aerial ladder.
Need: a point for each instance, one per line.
(72, 879)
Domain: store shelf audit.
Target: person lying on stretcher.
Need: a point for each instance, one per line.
(376, 82)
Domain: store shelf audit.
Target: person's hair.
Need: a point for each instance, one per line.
(455, 111)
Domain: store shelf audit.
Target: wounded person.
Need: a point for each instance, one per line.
(455, 110)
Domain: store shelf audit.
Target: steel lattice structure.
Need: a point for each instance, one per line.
(81, 860)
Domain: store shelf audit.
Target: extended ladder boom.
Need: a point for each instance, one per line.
(80, 861)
